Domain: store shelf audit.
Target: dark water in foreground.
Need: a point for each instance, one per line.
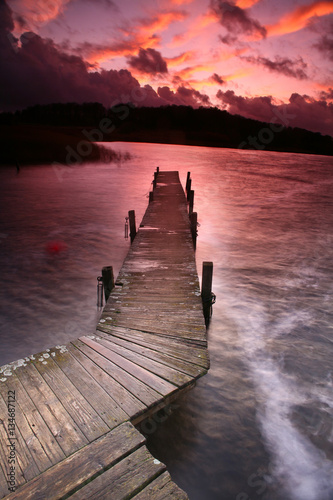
(259, 425)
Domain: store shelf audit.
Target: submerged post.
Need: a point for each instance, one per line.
(206, 289)
(131, 215)
(108, 281)
(194, 225)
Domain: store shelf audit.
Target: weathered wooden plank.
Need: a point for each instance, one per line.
(174, 347)
(21, 453)
(66, 432)
(82, 413)
(131, 405)
(141, 391)
(39, 457)
(52, 450)
(162, 488)
(148, 378)
(4, 453)
(98, 398)
(3, 484)
(124, 479)
(66, 477)
(166, 372)
(153, 353)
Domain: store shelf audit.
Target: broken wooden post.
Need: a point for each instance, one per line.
(194, 225)
(206, 289)
(131, 215)
(108, 281)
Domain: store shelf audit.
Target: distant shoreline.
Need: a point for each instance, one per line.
(32, 144)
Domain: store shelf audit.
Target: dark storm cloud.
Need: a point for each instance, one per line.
(236, 20)
(33, 70)
(301, 110)
(148, 61)
(37, 71)
(283, 65)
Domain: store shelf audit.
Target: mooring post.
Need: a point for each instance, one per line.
(188, 190)
(191, 202)
(155, 179)
(206, 289)
(131, 215)
(108, 281)
(194, 225)
(157, 170)
(99, 291)
(187, 181)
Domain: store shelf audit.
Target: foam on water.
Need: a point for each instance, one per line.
(300, 468)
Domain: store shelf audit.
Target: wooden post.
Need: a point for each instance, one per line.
(206, 289)
(131, 215)
(151, 196)
(187, 180)
(191, 202)
(99, 291)
(194, 225)
(108, 281)
(155, 179)
(157, 170)
(188, 191)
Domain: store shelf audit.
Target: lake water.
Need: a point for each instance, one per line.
(259, 424)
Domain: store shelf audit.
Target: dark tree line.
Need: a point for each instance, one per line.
(174, 124)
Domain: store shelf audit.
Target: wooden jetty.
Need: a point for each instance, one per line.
(69, 413)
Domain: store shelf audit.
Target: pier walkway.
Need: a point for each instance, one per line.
(68, 414)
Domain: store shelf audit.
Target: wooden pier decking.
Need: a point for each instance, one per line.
(74, 408)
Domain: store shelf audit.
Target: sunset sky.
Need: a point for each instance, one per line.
(258, 58)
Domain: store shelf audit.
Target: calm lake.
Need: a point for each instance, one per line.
(259, 425)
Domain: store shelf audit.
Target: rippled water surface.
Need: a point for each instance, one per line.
(259, 424)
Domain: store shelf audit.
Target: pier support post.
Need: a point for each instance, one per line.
(99, 291)
(194, 225)
(155, 179)
(188, 178)
(131, 215)
(206, 289)
(188, 190)
(191, 202)
(108, 281)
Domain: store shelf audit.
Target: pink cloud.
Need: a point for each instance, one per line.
(300, 111)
